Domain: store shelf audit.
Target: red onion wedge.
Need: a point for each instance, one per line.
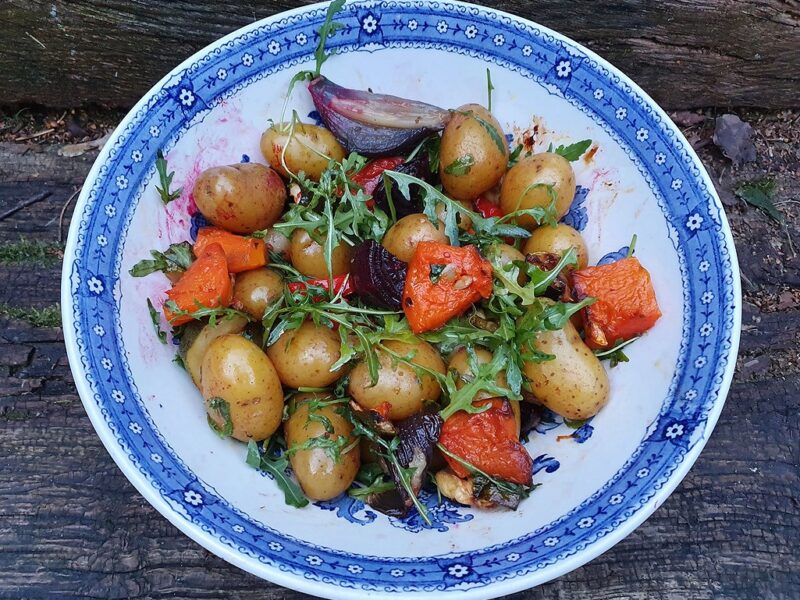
(374, 124)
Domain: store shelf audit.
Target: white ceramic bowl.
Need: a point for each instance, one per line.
(598, 484)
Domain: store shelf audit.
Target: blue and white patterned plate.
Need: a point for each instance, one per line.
(598, 482)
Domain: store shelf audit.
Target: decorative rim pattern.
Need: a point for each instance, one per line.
(699, 233)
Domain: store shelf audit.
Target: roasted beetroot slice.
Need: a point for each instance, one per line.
(377, 275)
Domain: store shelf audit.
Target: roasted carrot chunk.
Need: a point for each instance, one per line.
(488, 441)
(442, 282)
(243, 253)
(626, 302)
(205, 283)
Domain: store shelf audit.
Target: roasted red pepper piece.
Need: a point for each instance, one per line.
(442, 282)
(369, 177)
(486, 208)
(488, 441)
(341, 283)
(626, 302)
(243, 253)
(206, 282)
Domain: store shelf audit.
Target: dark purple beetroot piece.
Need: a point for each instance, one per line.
(403, 206)
(377, 275)
(374, 124)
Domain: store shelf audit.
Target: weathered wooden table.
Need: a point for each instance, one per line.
(71, 526)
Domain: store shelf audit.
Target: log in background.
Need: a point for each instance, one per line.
(685, 53)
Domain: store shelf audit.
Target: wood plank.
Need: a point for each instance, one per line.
(686, 54)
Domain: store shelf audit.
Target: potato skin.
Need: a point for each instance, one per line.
(547, 168)
(557, 240)
(303, 357)
(459, 362)
(320, 476)
(277, 242)
(465, 136)
(193, 357)
(236, 370)
(241, 198)
(399, 385)
(574, 384)
(404, 236)
(302, 150)
(255, 290)
(308, 256)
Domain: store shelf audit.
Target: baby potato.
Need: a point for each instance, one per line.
(472, 160)
(524, 186)
(198, 337)
(318, 471)
(255, 290)
(308, 256)
(574, 384)
(240, 383)
(241, 198)
(309, 149)
(557, 240)
(464, 221)
(403, 237)
(398, 384)
(277, 242)
(507, 254)
(459, 362)
(303, 357)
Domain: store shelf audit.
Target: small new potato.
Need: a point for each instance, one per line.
(308, 150)
(197, 338)
(319, 474)
(574, 384)
(241, 198)
(404, 236)
(304, 356)
(507, 254)
(525, 186)
(255, 290)
(459, 362)
(308, 256)
(237, 372)
(557, 240)
(472, 160)
(464, 221)
(277, 242)
(398, 384)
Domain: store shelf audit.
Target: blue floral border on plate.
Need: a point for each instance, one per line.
(695, 220)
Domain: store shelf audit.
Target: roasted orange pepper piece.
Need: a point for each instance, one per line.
(243, 253)
(206, 282)
(442, 282)
(626, 302)
(488, 441)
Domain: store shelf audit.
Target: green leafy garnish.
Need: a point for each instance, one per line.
(274, 462)
(460, 166)
(201, 312)
(513, 158)
(574, 151)
(174, 259)
(489, 89)
(436, 272)
(166, 180)
(223, 409)
(156, 319)
(483, 379)
(631, 247)
(326, 31)
(759, 194)
(498, 139)
(615, 355)
(504, 486)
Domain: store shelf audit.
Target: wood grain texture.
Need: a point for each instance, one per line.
(71, 526)
(685, 53)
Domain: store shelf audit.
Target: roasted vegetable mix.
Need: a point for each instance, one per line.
(383, 306)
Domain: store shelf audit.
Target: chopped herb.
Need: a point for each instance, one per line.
(759, 194)
(223, 409)
(273, 461)
(460, 166)
(615, 355)
(574, 151)
(436, 272)
(156, 319)
(174, 259)
(489, 88)
(575, 423)
(166, 180)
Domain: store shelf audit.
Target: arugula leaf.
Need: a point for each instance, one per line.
(615, 355)
(273, 462)
(575, 423)
(489, 88)
(631, 247)
(213, 313)
(498, 139)
(460, 166)
(174, 259)
(507, 487)
(513, 158)
(166, 180)
(326, 31)
(223, 409)
(335, 448)
(574, 151)
(156, 319)
(759, 194)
